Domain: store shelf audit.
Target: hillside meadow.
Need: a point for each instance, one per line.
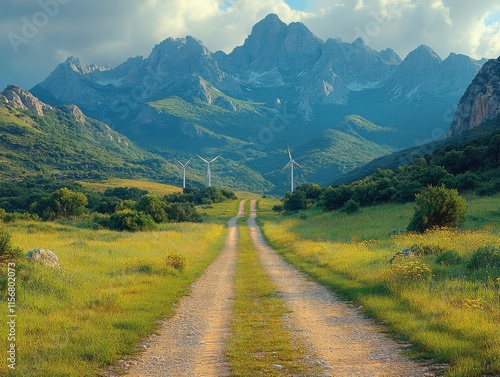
(444, 299)
(109, 293)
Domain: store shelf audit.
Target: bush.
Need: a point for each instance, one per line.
(182, 212)
(131, 221)
(7, 251)
(485, 257)
(295, 201)
(438, 207)
(154, 206)
(278, 208)
(176, 261)
(422, 250)
(62, 203)
(351, 206)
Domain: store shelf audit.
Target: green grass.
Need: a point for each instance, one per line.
(260, 345)
(449, 312)
(107, 296)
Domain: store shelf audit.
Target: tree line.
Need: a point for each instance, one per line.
(121, 208)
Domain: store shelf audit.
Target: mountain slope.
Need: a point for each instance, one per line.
(37, 138)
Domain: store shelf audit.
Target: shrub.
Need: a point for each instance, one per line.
(182, 212)
(61, 203)
(295, 201)
(7, 251)
(131, 221)
(154, 206)
(278, 208)
(351, 206)
(438, 207)
(404, 271)
(485, 257)
(422, 250)
(176, 261)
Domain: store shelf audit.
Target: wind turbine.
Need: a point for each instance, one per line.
(184, 172)
(209, 174)
(291, 163)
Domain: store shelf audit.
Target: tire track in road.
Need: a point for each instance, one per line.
(193, 341)
(349, 344)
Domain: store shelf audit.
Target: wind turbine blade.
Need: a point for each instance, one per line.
(297, 164)
(287, 165)
(215, 158)
(188, 162)
(203, 159)
(290, 153)
(180, 163)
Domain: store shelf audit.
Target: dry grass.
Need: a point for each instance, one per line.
(152, 187)
(450, 312)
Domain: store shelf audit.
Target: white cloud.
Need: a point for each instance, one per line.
(108, 32)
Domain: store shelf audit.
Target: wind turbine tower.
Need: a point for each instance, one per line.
(184, 172)
(291, 163)
(209, 174)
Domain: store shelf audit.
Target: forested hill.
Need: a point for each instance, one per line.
(469, 162)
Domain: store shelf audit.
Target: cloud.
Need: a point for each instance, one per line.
(108, 32)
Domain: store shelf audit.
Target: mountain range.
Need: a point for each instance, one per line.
(337, 105)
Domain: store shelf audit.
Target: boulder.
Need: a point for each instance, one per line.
(44, 257)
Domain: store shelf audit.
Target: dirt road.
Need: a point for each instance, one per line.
(193, 341)
(349, 344)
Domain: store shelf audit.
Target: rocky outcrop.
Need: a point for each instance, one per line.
(481, 101)
(74, 111)
(24, 100)
(44, 257)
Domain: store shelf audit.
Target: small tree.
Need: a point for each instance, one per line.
(61, 203)
(295, 200)
(438, 207)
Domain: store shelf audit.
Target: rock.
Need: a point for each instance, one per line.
(395, 231)
(44, 257)
(22, 99)
(402, 254)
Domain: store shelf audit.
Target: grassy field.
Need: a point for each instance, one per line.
(260, 344)
(108, 295)
(152, 187)
(437, 299)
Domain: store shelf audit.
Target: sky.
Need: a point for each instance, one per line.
(36, 35)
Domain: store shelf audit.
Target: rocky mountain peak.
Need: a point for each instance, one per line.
(481, 101)
(73, 64)
(24, 100)
(272, 44)
(422, 58)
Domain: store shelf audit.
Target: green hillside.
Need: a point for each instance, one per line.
(60, 144)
